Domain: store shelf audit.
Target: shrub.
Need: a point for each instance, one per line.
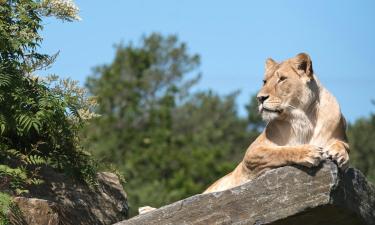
(39, 118)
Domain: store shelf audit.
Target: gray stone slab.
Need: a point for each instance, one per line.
(287, 195)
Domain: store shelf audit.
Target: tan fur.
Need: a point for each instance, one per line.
(305, 124)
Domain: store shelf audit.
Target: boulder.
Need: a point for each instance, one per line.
(64, 201)
(289, 195)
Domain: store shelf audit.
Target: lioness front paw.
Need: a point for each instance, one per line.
(313, 155)
(339, 154)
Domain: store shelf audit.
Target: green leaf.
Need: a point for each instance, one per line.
(35, 160)
(5, 80)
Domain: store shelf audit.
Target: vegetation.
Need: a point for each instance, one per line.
(5, 206)
(171, 143)
(167, 141)
(362, 145)
(39, 119)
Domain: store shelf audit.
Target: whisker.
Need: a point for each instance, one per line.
(291, 106)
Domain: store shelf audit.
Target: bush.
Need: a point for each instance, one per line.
(39, 126)
(39, 118)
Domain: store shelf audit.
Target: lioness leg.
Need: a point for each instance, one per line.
(235, 178)
(262, 158)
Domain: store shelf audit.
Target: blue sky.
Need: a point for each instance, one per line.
(233, 38)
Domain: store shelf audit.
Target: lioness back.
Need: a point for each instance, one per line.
(304, 123)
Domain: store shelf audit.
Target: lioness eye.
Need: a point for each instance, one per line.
(282, 78)
(264, 82)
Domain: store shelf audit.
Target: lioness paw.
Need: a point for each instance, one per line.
(145, 209)
(313, 155)
(338, 154)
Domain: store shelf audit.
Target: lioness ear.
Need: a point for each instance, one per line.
(303, 64)
(269, 63)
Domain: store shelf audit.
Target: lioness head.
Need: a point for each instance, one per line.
(288, 86)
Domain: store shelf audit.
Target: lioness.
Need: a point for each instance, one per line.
(304, 124)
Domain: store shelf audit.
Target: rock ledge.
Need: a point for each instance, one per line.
(284, 196)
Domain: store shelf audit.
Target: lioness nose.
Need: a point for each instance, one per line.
(262, 98)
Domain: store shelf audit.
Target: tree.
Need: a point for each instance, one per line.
(137, 91)
(137, 94)
(169, 143)
(361, 136)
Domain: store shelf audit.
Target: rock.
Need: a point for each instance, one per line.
(35, 211)
(284, 196)
(63, 201)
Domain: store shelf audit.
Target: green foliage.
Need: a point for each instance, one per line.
(9, 207)
(168, 143)
(5, 207)
(19, 25)
(362, 145)
(39, 119)
(40, 126)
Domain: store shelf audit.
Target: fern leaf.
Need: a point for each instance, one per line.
(36, 125)
(5, 80)
(14, 153)
(27, 125)
(2, 128)
(35, 160)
